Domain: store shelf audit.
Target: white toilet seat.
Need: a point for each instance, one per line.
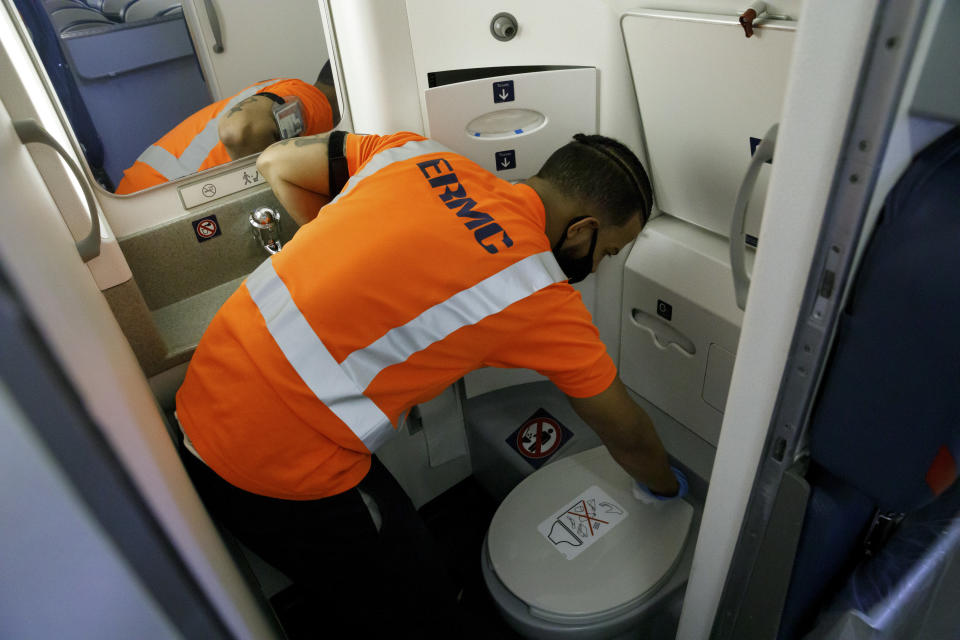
(578, 569)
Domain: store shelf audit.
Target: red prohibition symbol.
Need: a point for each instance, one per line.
(539, 437)
(207, 228)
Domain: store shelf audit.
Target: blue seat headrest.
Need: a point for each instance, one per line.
(888, 417)
(70, 19)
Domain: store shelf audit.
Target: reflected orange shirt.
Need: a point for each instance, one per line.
(318, 118)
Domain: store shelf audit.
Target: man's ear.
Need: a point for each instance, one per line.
(583, 229)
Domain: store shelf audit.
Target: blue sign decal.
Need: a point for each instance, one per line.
(503, 91)
(539, 438)
(506, 160)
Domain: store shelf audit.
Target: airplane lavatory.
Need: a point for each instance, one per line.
(785, 318)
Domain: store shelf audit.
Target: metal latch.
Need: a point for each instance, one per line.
(883, 526)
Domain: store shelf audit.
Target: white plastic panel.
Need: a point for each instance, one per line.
(285, 42)
(680, 323)
(26, 96)
(716, 382)
(71, 314)
(829, 54)
(511, 124)
(372, 43)
(59, 567)
(425, 462)
(704, 91)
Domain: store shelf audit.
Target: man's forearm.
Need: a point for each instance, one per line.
(297, 171)
(628, 433)
(302, 204)
(647, 463)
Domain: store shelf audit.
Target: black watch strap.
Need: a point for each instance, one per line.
(272, 96)
(337, 162)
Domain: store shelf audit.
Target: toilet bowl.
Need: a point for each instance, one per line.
(570, 553)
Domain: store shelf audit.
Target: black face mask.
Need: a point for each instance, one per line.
(576, 269)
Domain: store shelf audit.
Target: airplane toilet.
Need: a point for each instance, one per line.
(571, 553)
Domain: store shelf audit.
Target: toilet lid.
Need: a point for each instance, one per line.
(572, 542)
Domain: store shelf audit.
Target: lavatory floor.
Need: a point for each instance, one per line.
(458, 520)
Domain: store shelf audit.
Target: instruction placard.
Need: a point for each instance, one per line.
(586, 519)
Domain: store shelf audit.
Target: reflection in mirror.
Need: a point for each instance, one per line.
(130, 81)
(233, 128)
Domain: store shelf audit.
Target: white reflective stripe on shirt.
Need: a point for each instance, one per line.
(171, 167)
(340, 386)
(468, 307)
(163, 162)
(311, 360)
(387, 157)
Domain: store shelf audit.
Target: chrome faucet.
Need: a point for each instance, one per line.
(265, 225)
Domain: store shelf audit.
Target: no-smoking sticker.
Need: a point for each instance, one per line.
(206, 228)
(539, 438)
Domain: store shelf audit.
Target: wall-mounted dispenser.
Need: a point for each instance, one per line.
(510, 124)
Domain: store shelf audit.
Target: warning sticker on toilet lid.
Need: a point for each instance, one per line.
(587, 518)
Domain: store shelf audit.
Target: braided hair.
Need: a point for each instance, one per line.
(601, 173)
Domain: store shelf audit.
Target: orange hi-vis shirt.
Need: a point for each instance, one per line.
(425, 267)
(194, 144)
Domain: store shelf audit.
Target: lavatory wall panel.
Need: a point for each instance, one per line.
(680, 326)
(707, 96)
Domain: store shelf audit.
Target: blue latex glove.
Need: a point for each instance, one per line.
(642, 493)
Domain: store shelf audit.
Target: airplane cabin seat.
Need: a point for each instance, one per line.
(134, 10)
(119, 58)
(45, 38)
(885, 430)
(69, 17)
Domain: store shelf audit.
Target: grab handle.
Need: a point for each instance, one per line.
(214, 25)
(29, 130)
(738, 237)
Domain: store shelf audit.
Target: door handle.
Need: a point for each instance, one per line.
(738, 236)
(29, 130)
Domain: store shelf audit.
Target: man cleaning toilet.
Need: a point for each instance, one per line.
(412, 267)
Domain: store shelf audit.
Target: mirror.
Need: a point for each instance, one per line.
(156, 90)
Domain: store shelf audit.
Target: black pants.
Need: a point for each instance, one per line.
(360, 582)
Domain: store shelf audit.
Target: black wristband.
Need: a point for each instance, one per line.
(272, 96)
(337, 162)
